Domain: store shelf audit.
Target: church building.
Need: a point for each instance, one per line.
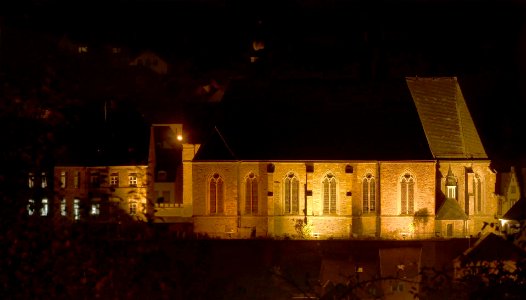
(332, 159)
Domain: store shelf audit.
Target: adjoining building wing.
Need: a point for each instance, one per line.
(445, 117)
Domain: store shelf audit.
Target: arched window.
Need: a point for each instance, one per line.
(251, 194)
(407, 194)
(369, 194)
(451, 185)
(291, 194)
(329, 194)
(477, 193)
(216, 194)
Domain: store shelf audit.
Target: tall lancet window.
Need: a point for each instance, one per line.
(477, 193)
(291, 205)
(407, 194)
(251, 194)
(368, 194)
(216, 195)
(329, 194)
(451, 185)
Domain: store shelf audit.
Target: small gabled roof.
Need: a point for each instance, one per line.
(317, 119)
(517, 212)
(450, 210)
(449, 128)
(491, 247)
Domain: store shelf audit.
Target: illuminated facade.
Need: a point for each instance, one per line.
(448, 191)
(102, 192)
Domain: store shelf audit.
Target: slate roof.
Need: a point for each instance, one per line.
(450, 210)
(445, 117)
(316, 119)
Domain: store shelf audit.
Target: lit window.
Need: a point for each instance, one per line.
(329, 194)
(44, 180)
(451, 185)
(95, 209)
(95, 179)
(132, 179)
(477, 193)
(76, 209)
(116, 50)
(30, 207)
(133, 208)
(83, 49)
(291, 194)
(63, 179)
(31, 182)
(63, 211)
(114, 179)
(44, 210)
(76, 180)
(369, 194)
(216, 194)
(407, 185)
(251, 194)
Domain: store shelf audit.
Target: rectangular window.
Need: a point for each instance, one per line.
(133, 179)
(83, 49)
(95, 179)
(76, 180)
(76, 209)
(95, 209)
(114, 179)
(62, 179)
(63, 211)
(31, 183)
(43, 180)
(30, 207)
(44, 210)
(133, 208)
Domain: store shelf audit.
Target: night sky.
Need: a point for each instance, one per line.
(483, 43)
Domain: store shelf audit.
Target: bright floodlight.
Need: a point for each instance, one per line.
(179, 137)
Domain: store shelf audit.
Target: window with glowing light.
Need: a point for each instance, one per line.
(63, 209)
(44, 210)
(291, 194)
(216, 194)
(477, 193)
(114, 179)
(30, 207)
(63, 179)
(329, 194)
(31, 182)
(95, 209)
(76, 209)
(251, 194)
(43, 180)
(368, 194)
(132, 178)
(407, 194)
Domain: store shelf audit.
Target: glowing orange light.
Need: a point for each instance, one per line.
(179, 137)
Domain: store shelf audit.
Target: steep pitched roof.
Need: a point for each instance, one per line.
(517, 212)
(316, 119)
(450, 210)
(448, 125)
(491, 247)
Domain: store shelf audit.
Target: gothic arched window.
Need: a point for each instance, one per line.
(291, 194)
(251, 194)
(407, 194)
(329, 194)
(216, 194)
(369, 194)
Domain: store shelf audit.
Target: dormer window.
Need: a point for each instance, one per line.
(451, 185)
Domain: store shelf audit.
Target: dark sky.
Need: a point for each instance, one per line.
(482, 42)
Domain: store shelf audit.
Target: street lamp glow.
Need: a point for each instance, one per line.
(179, 137)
